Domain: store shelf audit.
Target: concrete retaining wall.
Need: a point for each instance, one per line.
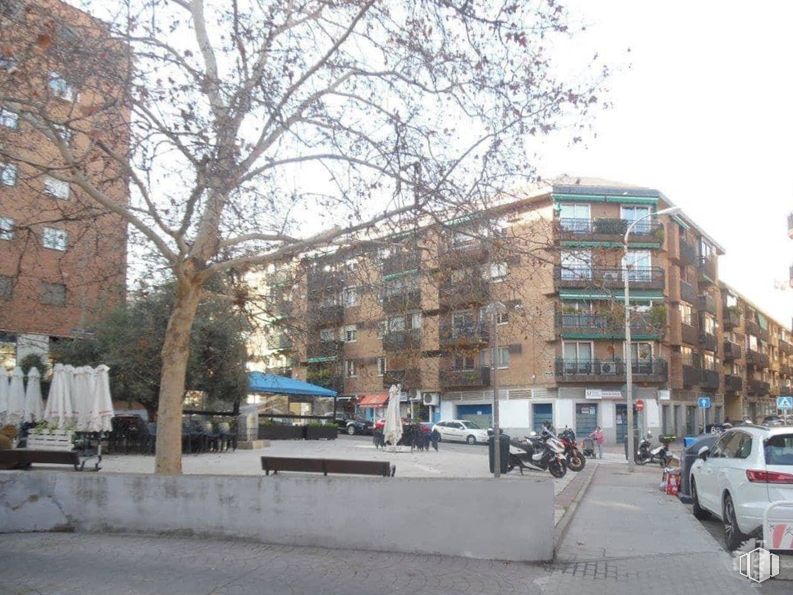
(503, 519)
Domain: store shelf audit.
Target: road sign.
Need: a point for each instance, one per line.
(703, 402)
(784, 402)
(639, 405)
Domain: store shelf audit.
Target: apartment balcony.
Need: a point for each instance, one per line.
(611, 230)
(708, 342)
(785, 389)
(400, 262)
(709, 380)
(790, 225)
(319, 316)
(404, 340)
(462, 336)
(476, 378)
(609, 277)
(753, 328)
(401, 301)
(756, 359)
(689, 334)
(786, 370)
(282, 343)
(731, 319)
(688, 253)
(785, 347)
(602, 326)
(463, 254)
(471, 291)
(758, 388)
(733, 383)
(688, 293)
(324, 349)
(707, 270)
(321, 377)
(691, 376)
(707, 304)
(320, 281)
(732, 351)
(609, 371)
(409, 378)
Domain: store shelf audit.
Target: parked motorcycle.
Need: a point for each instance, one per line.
(646, 454)
(539, 453)
(574, 458)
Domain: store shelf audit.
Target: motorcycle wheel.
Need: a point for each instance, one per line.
(557, 469)
(576, 461)
(640, 460)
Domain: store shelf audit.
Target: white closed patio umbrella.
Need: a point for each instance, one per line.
(3, 394)
(82, 396)
(16, 398)
(102, 401)
(392, 430)
(34, 406)
(59, 408)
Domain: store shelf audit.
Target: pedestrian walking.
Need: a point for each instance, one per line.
(435, 437)
(599, 438)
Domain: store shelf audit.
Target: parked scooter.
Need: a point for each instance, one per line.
(574, 458)
(645, 454)
(539, 453)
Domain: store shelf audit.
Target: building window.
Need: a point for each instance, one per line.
(576, 264)
(63, 133)
(464, 361)
(706, 250)
(56, 188)
(53, 294)
(641, 351)
(709, 324)
(381, 327)
(577, 357)
(630, 214)
(498, 271)
(327, 334)
(415, 320)
(7, 63)
(6, 228)
(710, 361)
(8, 174)
(60, 88)
(574, 217)
(751, 342)
(9, 118)
(351, 297)
(687, 356)
(6, 287)
(55, 239)
(462, 322)
(350, 334)
(501, 356)
(381, 366)
(685, 314)
(349, 368)
(396, 324)
(639, 263)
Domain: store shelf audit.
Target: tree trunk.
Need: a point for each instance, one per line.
(175, 353)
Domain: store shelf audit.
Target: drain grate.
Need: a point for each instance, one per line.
(601, 570)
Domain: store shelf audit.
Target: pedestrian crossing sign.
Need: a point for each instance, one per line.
(704, 402)
(785, 402)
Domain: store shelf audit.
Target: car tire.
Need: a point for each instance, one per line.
(698, 512)
(351, 430)
(471, 440)
(733, 538)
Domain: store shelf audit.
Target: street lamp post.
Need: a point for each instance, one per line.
(627, 351)
(494, 309)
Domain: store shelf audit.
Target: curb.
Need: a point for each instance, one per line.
(561, 528)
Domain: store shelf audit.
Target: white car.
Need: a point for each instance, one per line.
(461, 430)
(747, 468)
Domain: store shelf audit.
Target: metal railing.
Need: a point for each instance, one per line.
(609, 277)
(573, 370)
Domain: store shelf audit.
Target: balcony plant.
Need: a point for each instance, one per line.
(657, 316)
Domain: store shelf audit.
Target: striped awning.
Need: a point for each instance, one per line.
(320, 360)
(373, 401)
(635, 296)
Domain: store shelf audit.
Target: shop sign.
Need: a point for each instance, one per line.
(664, 395)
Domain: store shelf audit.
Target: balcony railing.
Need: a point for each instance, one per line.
(786, 370)
(732, 351)
(608, 229)
(753, 328)
(409, 378)
(602, 326)
(326, 315)
(401, 301)
(757, 388)
(785, 347)
(707, 304)
(451, 335)
(756, 359)
(463, 254)
(688, 293)
(609, 277)
(324, 349)
(324, 282)
(709, 380)
(472, 290)
(731, 319)
(478, 377)
(688, 253)
(597, 370)
(689, 334)
(691, 375)
(708, 341)
(403, 340)
(400, 262)
(733, 383)
(707, 270)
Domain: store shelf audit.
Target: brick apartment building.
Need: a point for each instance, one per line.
(62, 260)
(414, 314)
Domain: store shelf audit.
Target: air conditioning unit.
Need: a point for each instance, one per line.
(608, 368)
(431, 399)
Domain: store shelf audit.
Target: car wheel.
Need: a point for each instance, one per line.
(471, 440)
(351, 430)
(733, 538)
(699, 512)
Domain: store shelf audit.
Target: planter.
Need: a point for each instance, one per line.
(280, 432)
(321, 432)
(51, 440)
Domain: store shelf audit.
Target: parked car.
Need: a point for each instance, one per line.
(688, 460)
(747, 468)
(353, 425)
(461, 430)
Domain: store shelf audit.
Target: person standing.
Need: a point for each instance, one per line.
(599, 438)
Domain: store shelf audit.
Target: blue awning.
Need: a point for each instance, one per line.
(259, 382)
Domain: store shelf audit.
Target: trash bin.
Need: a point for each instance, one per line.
(635, 442)
(503, 452)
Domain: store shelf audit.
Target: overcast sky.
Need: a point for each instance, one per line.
(704, 114)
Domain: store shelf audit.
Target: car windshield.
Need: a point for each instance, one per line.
(471, 425)
(779, 450)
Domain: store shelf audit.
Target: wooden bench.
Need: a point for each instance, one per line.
(325, 466)
(22, 458)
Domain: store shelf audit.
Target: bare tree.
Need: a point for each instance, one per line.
(259, 130)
